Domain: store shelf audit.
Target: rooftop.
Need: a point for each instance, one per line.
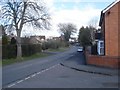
(106, 9)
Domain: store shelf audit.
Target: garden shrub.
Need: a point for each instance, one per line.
(10, 51)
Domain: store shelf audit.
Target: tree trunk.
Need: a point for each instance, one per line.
(19, 49)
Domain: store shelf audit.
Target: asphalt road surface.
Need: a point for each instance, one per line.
(16, 72)
(59, 76)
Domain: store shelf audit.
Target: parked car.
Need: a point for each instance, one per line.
(80, 49)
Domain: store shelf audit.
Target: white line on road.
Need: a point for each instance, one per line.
(27, 78)
(38, 72)
(20, 81)
(31, 76)
(11, 85)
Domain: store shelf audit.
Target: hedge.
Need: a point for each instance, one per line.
(54, 44)
(94, 49)
(10, 51)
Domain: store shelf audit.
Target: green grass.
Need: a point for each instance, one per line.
(62, 49)
(11, 61)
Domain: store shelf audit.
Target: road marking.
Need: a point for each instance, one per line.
(38, 72)
(42, 71)
(20, 81)
(26, 78)
(31, 76)
(46, 69)
(11, 85)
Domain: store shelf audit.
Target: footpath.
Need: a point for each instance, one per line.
(91, 69)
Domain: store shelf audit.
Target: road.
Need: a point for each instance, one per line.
(15, 72)
(48, 72)
(59, 76)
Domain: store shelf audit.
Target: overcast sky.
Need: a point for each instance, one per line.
(78, 12)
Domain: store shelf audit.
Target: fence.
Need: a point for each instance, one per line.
(10, 51)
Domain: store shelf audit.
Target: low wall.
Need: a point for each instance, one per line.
(105, 61)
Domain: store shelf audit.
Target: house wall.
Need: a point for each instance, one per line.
(111, 31)
(103, 33)
(119, 29)
(103, 61)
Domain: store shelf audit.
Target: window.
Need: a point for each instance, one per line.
(100, 47)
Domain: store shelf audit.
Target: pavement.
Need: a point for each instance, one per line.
(90, 69)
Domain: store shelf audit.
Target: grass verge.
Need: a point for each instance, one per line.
(11, 61)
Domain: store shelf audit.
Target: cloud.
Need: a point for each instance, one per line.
(77, 16)
(83, 0)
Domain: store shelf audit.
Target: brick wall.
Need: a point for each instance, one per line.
(111, 31)
(119, 29)
(104, 61)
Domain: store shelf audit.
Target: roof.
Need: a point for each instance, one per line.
(101, 18)
(111, 5)
(106, 9)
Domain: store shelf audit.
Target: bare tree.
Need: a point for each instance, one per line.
(18, 14)
(93, 27)
(67, 29)
(93, 22)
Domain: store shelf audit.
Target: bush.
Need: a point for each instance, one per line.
(45, 45)
(10, 51)
(13, 41)
(4, 40)
(30, 49)
(94, 49)
(4, 51)
(54, 44)
(25, 50)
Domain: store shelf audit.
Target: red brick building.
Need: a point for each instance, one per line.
(110, 27)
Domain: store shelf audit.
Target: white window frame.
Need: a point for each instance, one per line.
(99, 47)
